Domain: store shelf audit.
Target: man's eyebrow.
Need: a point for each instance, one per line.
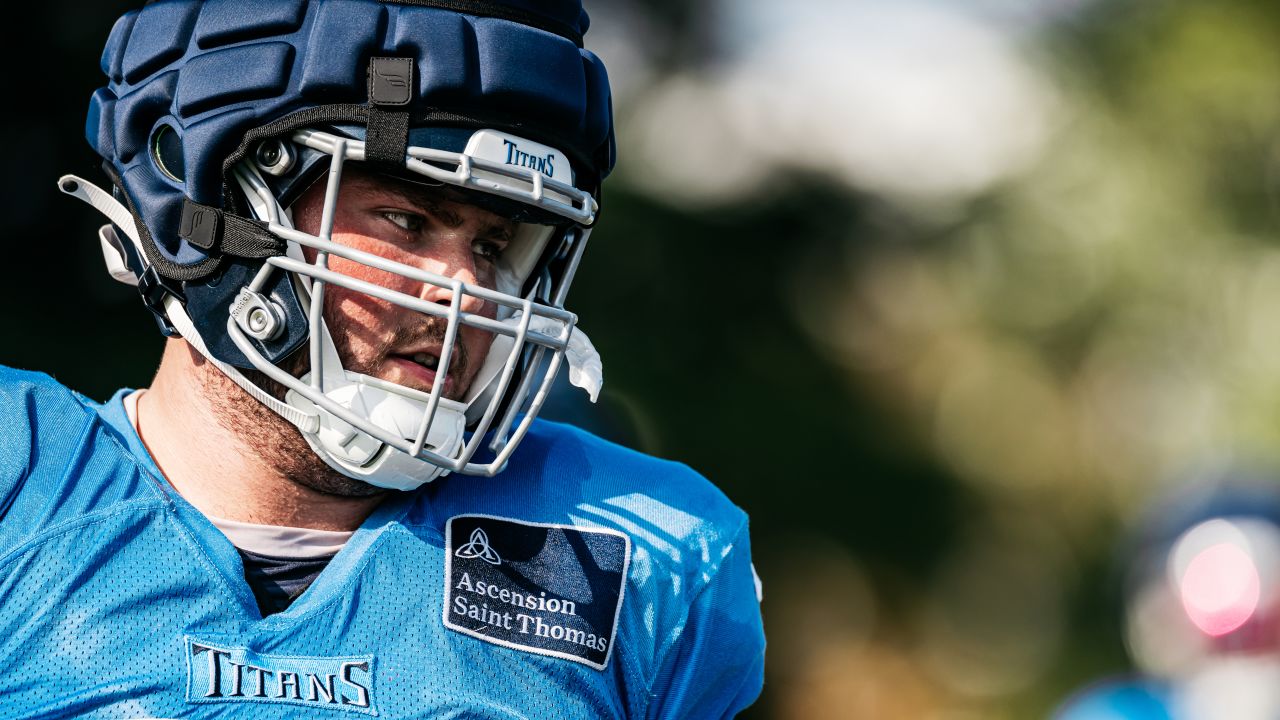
(428, 200)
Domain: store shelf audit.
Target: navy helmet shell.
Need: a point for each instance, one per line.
(188, 80)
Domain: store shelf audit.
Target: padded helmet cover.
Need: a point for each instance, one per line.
(211, 71)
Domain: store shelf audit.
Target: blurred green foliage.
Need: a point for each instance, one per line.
(943, 392)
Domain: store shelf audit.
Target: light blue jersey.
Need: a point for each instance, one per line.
(585, 581)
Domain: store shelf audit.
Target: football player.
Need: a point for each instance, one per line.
(356, 222)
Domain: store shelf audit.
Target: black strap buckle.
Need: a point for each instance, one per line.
(153, 288)
(212, 229)
(200, 225)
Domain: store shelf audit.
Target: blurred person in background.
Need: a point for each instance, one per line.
(356, 223)
(1202, 609)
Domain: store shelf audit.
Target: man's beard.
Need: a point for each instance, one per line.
(276, 439)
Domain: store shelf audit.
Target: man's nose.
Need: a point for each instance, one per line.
(456, 262)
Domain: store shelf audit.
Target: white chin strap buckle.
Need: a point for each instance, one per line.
(359, 455)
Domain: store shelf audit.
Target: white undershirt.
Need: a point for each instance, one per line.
(274, 540)
(280, 541)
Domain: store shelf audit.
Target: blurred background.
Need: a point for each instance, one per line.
(947, 294)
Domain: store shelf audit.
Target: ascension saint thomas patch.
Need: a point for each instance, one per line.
(549, 589)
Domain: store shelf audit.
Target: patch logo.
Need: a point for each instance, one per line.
(223, 674)
(549, 589)
(478, 547)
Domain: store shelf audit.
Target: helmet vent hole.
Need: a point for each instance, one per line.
(166, 148)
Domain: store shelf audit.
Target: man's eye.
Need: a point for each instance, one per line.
(487, 249)
(406, 221)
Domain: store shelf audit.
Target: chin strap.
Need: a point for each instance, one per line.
(103, 202)
(306, 422)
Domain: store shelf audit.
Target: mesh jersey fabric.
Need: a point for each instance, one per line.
(113, 589)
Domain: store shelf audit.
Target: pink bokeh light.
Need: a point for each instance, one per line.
(1220, 589)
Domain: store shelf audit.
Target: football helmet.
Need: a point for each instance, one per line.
(218, 115)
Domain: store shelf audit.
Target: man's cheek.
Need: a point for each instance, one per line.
(362, 308)
(374, 276)
(478, 343)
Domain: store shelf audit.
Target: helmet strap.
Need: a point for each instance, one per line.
(387, 128)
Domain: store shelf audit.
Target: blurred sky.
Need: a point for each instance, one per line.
(915, 99)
